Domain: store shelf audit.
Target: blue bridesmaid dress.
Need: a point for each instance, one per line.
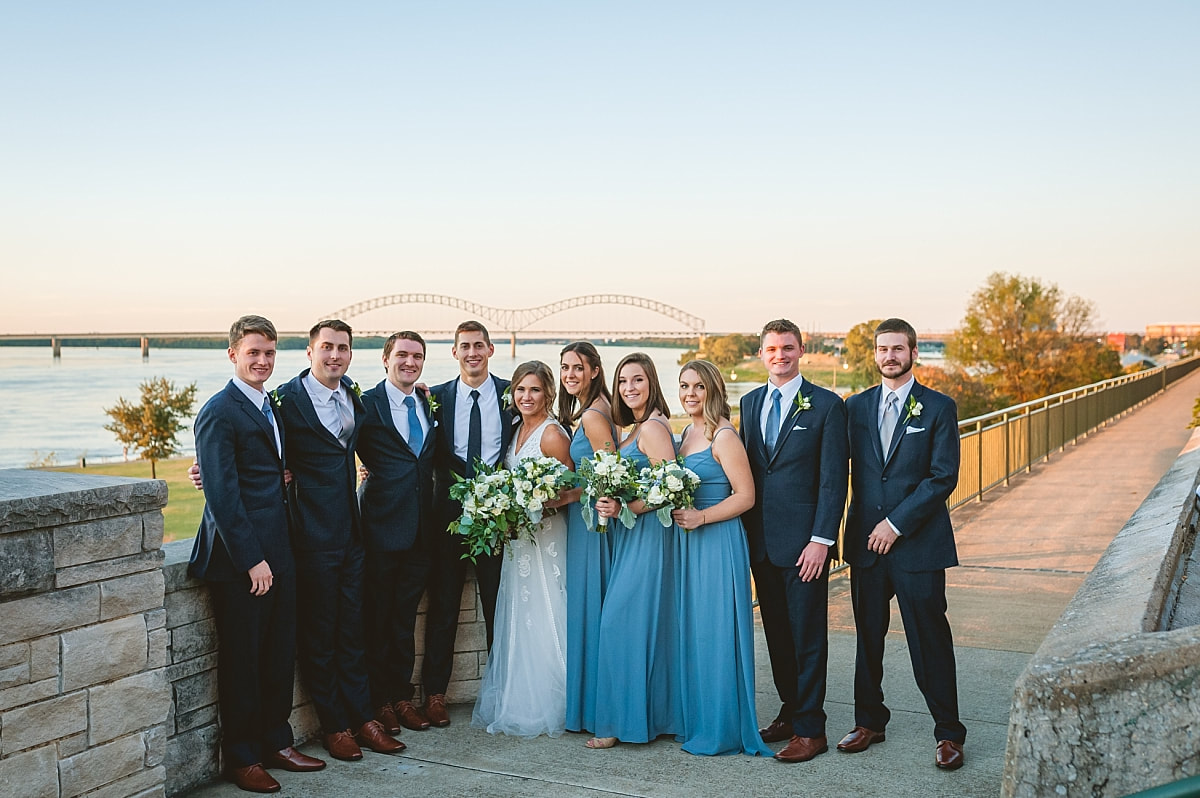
(637, 697)
(716, 629)
(588, 558)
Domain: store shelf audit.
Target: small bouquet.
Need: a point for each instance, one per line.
(668, 486)
(607, 474)
(537, 480)
(490, 510)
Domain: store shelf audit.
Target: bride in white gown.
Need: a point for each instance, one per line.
(524, 687)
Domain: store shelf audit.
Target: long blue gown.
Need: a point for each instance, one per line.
(637, 697)
(588, 558)
(716, 630)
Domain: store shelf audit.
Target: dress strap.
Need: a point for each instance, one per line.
(670, 432)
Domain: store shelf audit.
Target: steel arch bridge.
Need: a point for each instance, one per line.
(515, 320)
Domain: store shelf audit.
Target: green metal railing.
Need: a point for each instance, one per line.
(1000, 445)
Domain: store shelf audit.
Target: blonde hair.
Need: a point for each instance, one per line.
(716, 402)
(545, 376)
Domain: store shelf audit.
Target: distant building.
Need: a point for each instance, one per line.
(1173, 333)
(1124, 342)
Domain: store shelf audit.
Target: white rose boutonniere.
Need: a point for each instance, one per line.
(913, 409)
(276, 399)
(357, 391)
(434, 404)
(803, 403)
(506, 398)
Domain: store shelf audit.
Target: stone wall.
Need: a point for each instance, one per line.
(192, 750)
(84, 698)
(1110, 703)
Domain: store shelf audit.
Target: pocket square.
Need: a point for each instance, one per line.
(911, 430)
(798, 427)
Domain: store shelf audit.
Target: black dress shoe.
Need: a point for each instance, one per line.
(777, 732)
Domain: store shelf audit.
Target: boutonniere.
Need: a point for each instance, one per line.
(506, 398)
(913, 407)
(803, 403)
(357, 391)
(276, 399)
(434, 404)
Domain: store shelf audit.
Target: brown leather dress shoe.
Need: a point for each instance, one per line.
(252, 778)
(411, 717)
(802, 749)
(860, 739)
(435, 710)
(777, 732)
(341, 745)
(949, 755)
(292, 760)
(372, 736)
(387, 719)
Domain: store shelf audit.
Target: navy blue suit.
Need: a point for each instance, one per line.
(327, 540)
(449, 569)
(908, 485)
(800, 492)
(245, 522)
(397, 522)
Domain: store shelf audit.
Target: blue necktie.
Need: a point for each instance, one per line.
(474, 435)
(266, 408)
(416, 438)
(773, 420)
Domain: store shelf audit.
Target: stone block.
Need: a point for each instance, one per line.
(47, 613)
(462, 691)
(176, 556)
(131, 594)
(32, 499)
(187, 606)
(466, 665)
(31, 774)
(182, 670)
(26, 562)
(143, 783)
(156, 619)
(305, 724)
(70, 746)
(156, 656)
(92, 541)
(193, 640)
(43, 657)
(155, 739)
(14, 654)
(192, 759)
(195, 691)
(203, 716)
(14, 675)
(468, 616)
(108, 569)
(126, 705)
(152, 531)
(43, 721)
(467, 599)
(98, 766)
(28, 693)
(471, 637)
(103, 652)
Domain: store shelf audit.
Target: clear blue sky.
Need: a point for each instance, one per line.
(173, 165)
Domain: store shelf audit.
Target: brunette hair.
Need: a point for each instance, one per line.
(895, 325)
(472, 326)
(337, 325)
(403, 335)
(781, 327)
(716, 401)
(251, 324)
(568, 414)
(545, 377)
(622, 414)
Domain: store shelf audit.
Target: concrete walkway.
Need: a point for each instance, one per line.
(1024, 551)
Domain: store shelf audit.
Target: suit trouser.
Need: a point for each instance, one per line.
(395, 583)
(256, 662)
(922, 599)
(330, 636)
(795, 616)
(448, 573)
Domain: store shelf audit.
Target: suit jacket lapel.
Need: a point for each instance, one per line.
(307, 411)
(902, 422)
(506, 417)
(448, 401)
(383, 406)
(256, 414)
(751, 426)
(870, 406)
(789, 418)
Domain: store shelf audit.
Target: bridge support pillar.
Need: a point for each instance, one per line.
(56, 348)
(145, 347)
(513, 348)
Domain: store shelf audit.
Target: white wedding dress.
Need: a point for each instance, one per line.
(524, 690)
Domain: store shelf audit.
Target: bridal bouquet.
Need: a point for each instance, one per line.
(490, 510)
(537, 480)
(608, 474)
(668, 486)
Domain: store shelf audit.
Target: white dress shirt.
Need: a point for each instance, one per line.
(325, 403)
(400, 412)
(256, 398)
(489, 412)
(901, 397)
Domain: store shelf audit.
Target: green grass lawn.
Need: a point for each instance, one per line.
(181, 516)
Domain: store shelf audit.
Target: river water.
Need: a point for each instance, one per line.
(53, 410)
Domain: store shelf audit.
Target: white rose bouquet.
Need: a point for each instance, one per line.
(668, 486)
(490, 510)
(537, 480)
(607, 474)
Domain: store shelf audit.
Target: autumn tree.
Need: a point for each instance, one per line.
(859, 352)
(1022, 338)
(152, 426)
(724, 350)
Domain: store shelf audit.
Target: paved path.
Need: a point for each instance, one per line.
(1024, 551)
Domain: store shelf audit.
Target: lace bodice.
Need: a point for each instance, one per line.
(532, 447)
